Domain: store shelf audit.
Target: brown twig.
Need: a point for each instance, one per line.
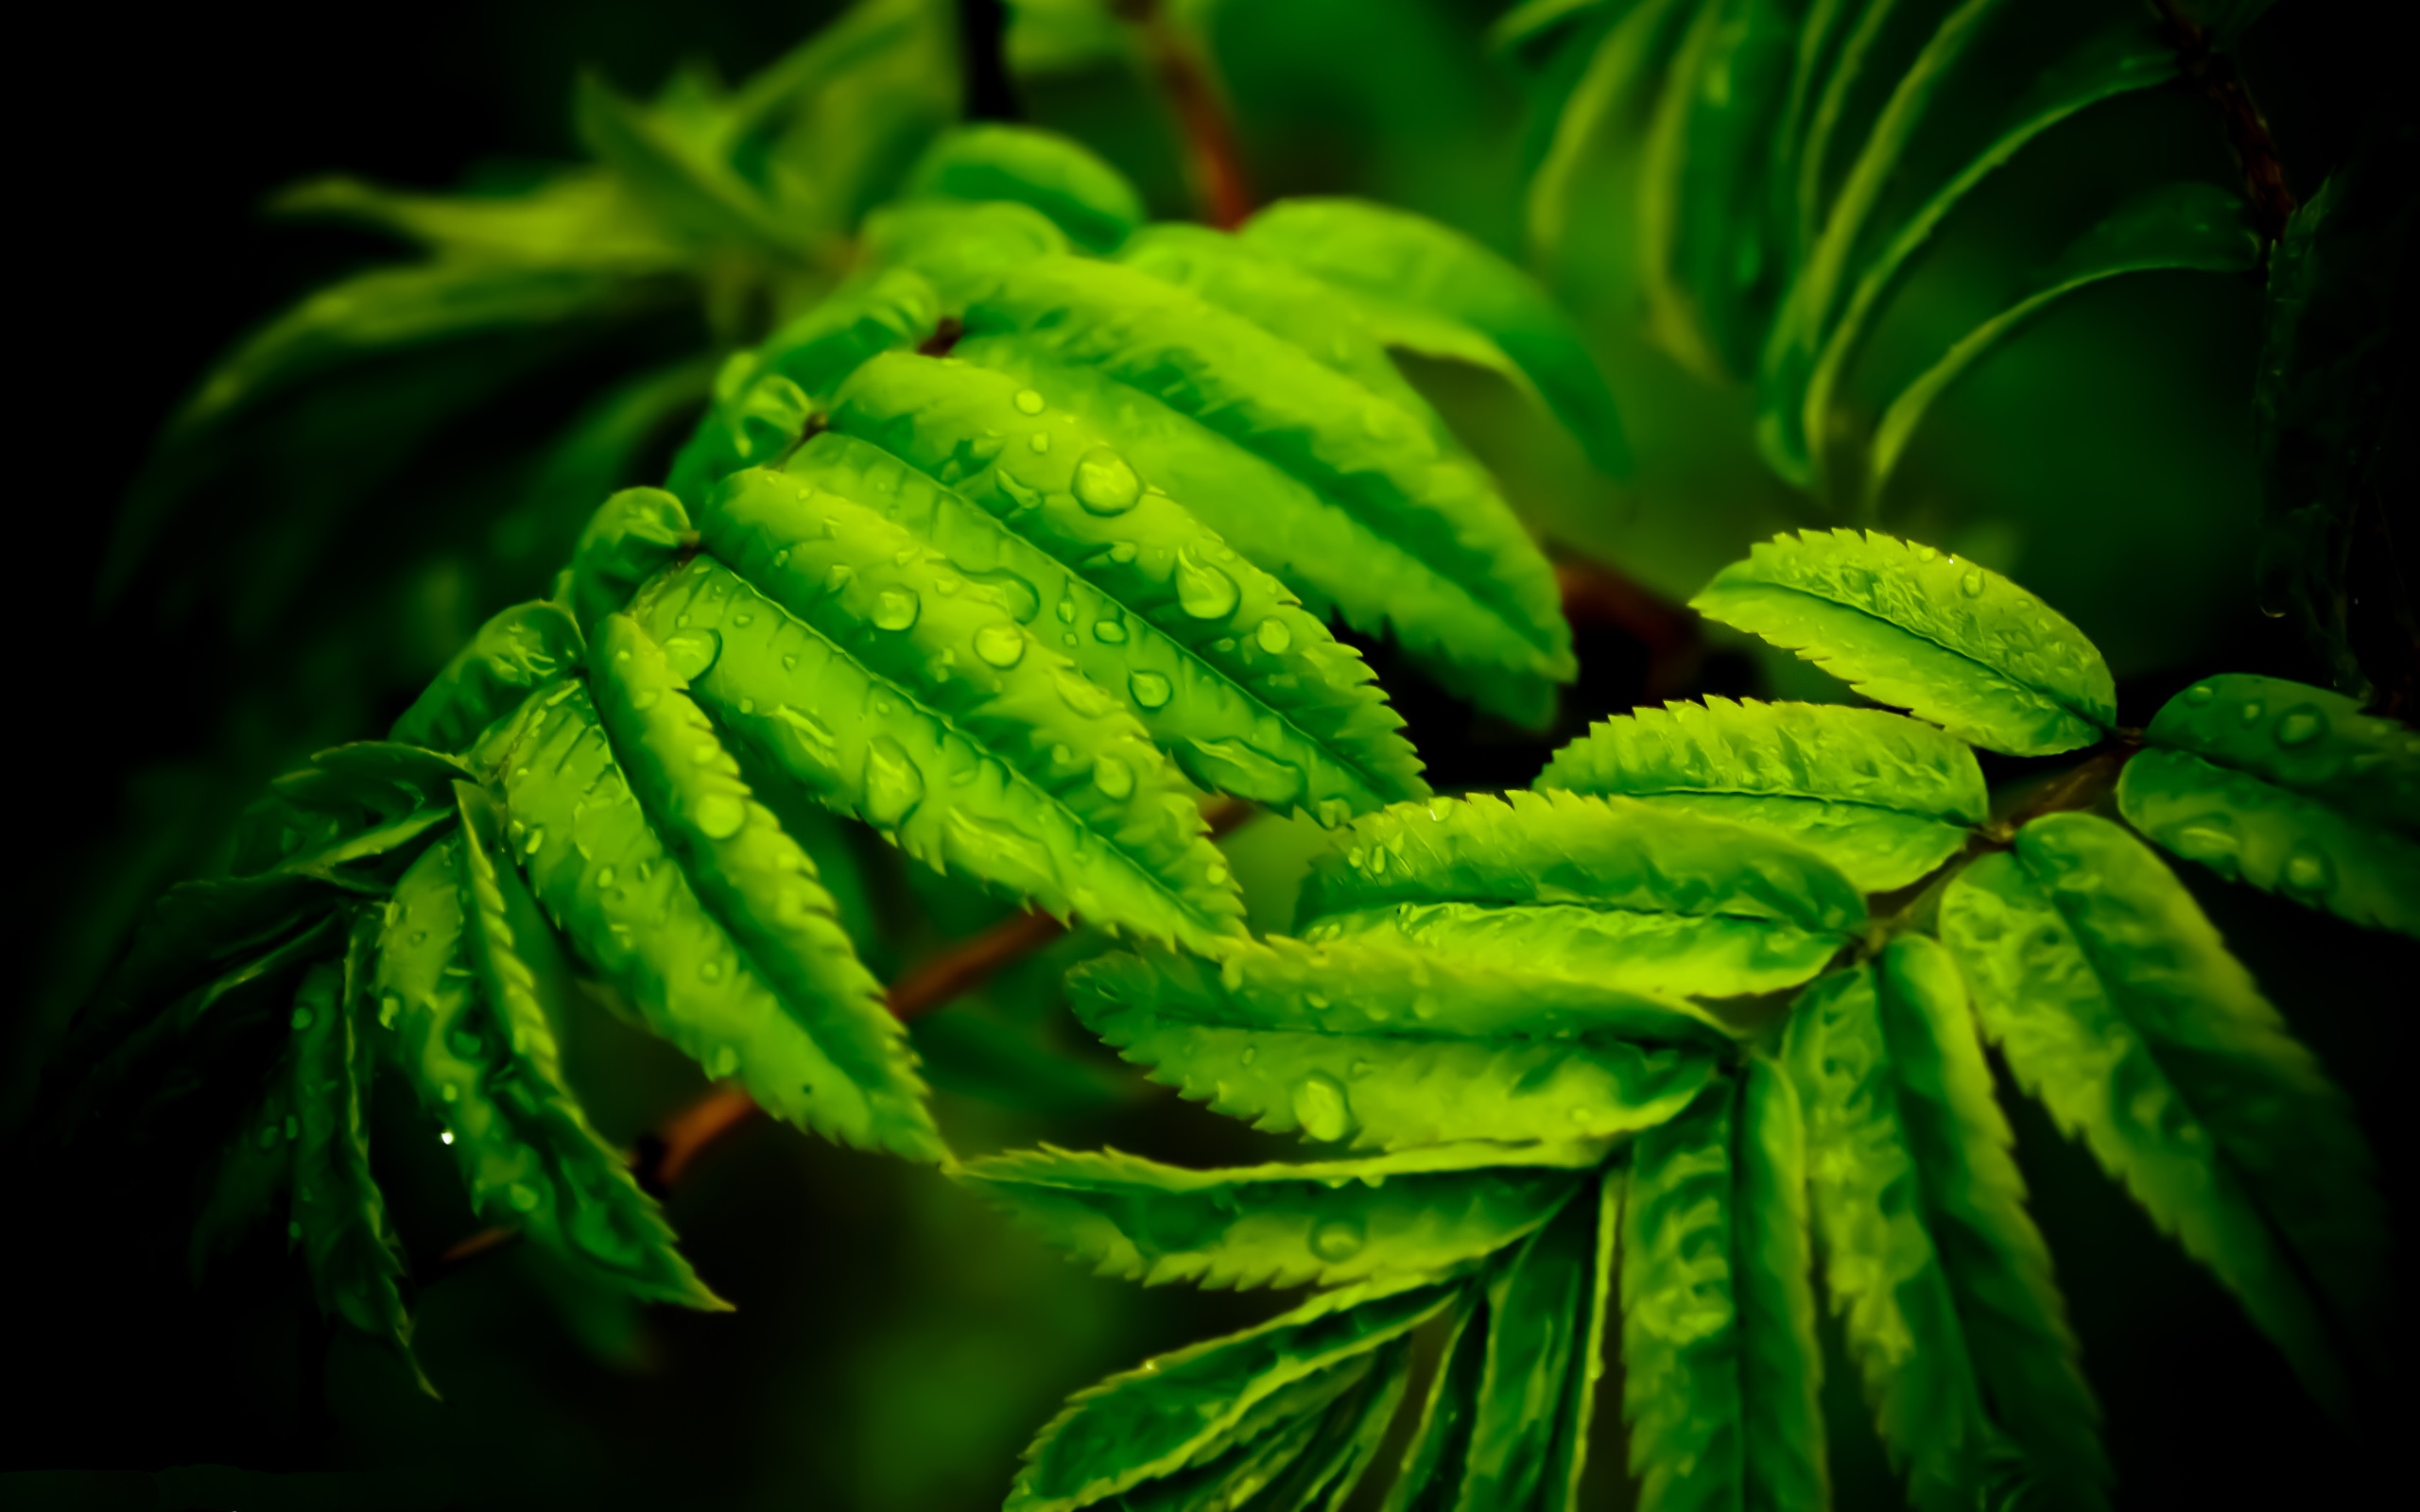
(2255, 151)
(666, 1153)
(1594, 593)
(1184, 76)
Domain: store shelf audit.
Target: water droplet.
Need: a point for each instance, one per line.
(893, 783)
(1972, 584)
(1066, 611)
(1150, 688)
(1105, 482)
(1113, 777)
(840, 575)
(2300, 724)
(723, 1062)
(1039, 440)
(523, 1197)
(1252, 1053)
(1319, 1107)
(2308, 871)
(690, 653)
(530, 846)
(1202, 591)
(719, 815)
(895, 609)
(1028, 402)
(1273, 636)
(1359, 1070)
(301, 1019)
(605, 878)
(1001, 645)
(2200, 694)
(1110, 632)
(1338, 1240)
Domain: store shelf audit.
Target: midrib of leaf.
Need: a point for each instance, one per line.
(1377, 785)
(1493, 905)
(654, 588)
(2093, 720)
(1587, 1039)
(1878, 806)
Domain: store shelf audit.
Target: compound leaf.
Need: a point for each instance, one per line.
(1058, 175)
(513, 653)
(1391, 1046)
(581, 218)
(2289, 787)
(1721, 1368)
(1184, 1409)
(1545, 1310)
(1906, 626)
(1249, 694)
(1424, 1211)
(2117, 1004)
(1882, 797)
(1940, 1276)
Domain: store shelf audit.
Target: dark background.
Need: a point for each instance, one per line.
(895, 1346)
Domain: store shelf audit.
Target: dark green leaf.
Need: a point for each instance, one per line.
(514, 654)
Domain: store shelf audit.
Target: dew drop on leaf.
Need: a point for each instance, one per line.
(895, 609)
(719, 815)
(1113, 777)
(2251, 711)
(2200, 694)
(1202, 591)
(2308, 871)
(1039, 440)
(1105, 482)
(1150, 688)
(1000, 646)
(1029, 402)
(1338, 1240)
(2300, 726)
(1273, 636)
(893, 783)
(1110, 632)
(1972, 584)
(1319, 1106)
(690, 653)
(523, 1197)
(301, 1019)
(532, 846)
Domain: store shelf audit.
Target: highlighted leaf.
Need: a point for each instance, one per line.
(1720, 1364)
(514, 653)
(2118, 1006)
(1248, 693)
(1066, 181)
(1186, 1408)
(1885, 799)
(1389, 1047)
(2289, 787)
(1947, 639)
(1940, 1276)
(1421, 1212)
(1546, 1314)
(457, 987)
(840, 649)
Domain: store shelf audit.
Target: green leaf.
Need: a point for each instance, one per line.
(844, 651)
(581, 218)
(339, 1216)
(1907, 625)
(352, 817)
(1374, 468)
(391, 307)
(464, 962)
(2178, 228)
(1561, 848)
(693, 195)
(1421, 1213)
(764, 891)
(632, 537)
(1390, 1047)
(1720, 1366)
(960, 246)
(1247, 692)
(2117, 1004)
(1184, 1409)
(2288, 787)
(1546, 1308)
(1941, 1279)
(1800, 389)
(1431, 1475)
(514, 654)
(1411, 272)
(242, 1184)
(1883, 798)
(1066, 181)
(1629, 44)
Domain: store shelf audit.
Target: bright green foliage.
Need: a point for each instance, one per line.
(1083, 196)
(477, 1045)
(1390, 1046)
(1429, 288)
(1424, 1210)
(1540, 887)
(1249, 694)
(1942, 1281)
(872, 670)
(1375, 468)
(339, 1216)
(2289, 788)
(1529, 1409)
(1882, 797)
(2116, 1005)
(1717, 1316)
(1945, 639)
(632, 536)
(512, 655)
(1187, 1409)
